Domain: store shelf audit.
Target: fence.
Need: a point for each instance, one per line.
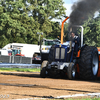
(15, 59)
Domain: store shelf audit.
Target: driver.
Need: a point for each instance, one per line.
(75, 39)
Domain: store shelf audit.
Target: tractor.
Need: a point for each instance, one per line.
(62, 62)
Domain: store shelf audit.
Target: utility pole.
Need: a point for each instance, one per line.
(39, 41)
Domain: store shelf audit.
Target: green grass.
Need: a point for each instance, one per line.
(85, 99)
(78, 99)
(20, 69)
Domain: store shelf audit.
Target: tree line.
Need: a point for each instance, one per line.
(20, 20)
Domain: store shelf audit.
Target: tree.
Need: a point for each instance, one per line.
(43, 11)
(15, 24)
(56, 30)
(20, 20)
(92, 31)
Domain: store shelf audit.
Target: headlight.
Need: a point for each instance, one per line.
(45, 48)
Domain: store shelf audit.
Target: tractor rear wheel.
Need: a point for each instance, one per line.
(71, 71)
(43, 71)
(88, 63)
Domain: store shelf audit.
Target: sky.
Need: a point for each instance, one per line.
(68, 4)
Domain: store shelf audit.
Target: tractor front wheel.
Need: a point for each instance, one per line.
(43, 71)
(71, 71)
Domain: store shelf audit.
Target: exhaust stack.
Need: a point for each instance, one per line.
(62, 30)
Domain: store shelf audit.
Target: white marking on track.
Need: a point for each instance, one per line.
(65, 96)
(79, 95)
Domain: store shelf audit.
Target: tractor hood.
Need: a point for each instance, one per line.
(61, 52)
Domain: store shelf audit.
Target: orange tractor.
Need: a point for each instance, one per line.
(61, 60)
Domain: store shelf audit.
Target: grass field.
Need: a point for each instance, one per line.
(20, 69)
(85, 99)
(79, 99)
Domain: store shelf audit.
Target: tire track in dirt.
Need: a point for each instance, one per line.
(30, 85)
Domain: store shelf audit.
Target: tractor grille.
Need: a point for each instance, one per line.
(60, 53)
(57, 53)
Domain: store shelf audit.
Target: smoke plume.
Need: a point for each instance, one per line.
(82, 10)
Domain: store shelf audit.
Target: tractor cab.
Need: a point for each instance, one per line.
(17, 52)
(65, 52)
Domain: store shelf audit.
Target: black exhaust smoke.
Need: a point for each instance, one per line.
(82, 10)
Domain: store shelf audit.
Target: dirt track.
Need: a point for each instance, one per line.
(30, 85)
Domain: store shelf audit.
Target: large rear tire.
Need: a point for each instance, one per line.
(43, 72)
(88, 63)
